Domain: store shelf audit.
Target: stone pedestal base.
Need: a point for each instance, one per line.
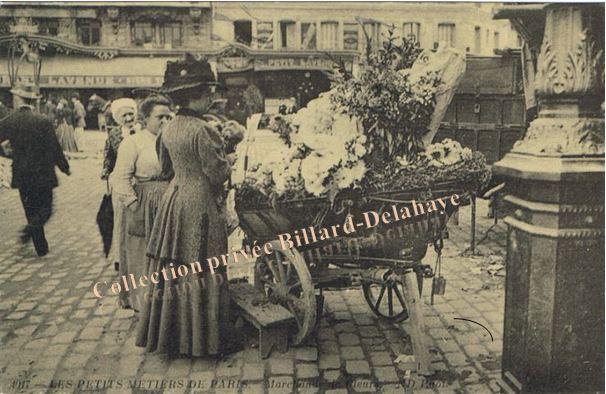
(554, 308)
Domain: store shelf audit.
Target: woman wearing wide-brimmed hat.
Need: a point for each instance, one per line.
(190, 225)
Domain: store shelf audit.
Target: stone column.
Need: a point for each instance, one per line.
(554, 308)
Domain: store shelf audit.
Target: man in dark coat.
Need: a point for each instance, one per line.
(35, 153)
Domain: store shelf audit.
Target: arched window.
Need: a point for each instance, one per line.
(308, 35)
(156, 33)
(350, 36)
(288, 34)
(446, 34)
(373, 31)
(243, 32)
(329, 35)
(477, 40)
(412, 31)
(89, 31)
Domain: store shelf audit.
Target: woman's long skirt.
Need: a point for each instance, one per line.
(67, 137)
(138, 226)
(186, 311)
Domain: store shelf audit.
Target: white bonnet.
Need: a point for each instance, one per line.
(120, 106)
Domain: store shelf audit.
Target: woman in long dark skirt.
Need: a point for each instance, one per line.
(136, 182)
(189, 315)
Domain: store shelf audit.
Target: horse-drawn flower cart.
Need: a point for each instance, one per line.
(320, 184)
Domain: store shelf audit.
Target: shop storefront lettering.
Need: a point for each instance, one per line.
(231, 64)
(100, 81)
(293, 64)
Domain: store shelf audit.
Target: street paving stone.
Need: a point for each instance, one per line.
(54, 331)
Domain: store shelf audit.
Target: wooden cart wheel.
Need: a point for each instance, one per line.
(386, 299)
(285, 279)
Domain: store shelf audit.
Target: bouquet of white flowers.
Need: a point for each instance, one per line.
(321, 154)
(446, 153)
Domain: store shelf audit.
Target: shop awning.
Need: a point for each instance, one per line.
(88, 72)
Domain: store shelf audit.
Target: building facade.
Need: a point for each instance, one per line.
(103, 48)
(326, 26)
(265, 53)
(284, 48)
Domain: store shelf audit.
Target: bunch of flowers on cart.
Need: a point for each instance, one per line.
(369, 132)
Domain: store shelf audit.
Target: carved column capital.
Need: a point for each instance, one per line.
(571, 62)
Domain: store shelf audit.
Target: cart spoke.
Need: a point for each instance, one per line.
(399, 295)
(282, 277)
(390, 300)
(294, 311)
(380, 297)
(273, 270)
(288, 271)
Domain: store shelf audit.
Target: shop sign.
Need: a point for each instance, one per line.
(292, 63)
(234, 64)
(98, 81)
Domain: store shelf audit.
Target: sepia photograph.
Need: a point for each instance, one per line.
(301, 197)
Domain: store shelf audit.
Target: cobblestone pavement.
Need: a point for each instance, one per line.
(55, 332)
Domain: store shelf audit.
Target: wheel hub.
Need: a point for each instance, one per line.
(280, 293)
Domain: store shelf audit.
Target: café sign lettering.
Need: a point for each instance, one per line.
(293, 64)
(234, 64)
(100, 81)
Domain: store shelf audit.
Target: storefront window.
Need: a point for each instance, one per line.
(446, 34)
(411, 31)
(329, 35)
(48, 26)
(308, 35)
(156, 33)
(89, 32)
(350, 36)
(243, 32)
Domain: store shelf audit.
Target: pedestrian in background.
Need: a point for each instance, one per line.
(66, 134)
(124, 112)
(35, 153)
(135, 180)
(79, 119)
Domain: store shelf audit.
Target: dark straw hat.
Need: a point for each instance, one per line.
(188, 73)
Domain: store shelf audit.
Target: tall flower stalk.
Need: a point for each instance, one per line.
(394, 106)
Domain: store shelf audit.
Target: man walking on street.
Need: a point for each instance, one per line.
(35, 152)
(79, 119)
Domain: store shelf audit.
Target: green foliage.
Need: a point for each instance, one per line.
(394, 106)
